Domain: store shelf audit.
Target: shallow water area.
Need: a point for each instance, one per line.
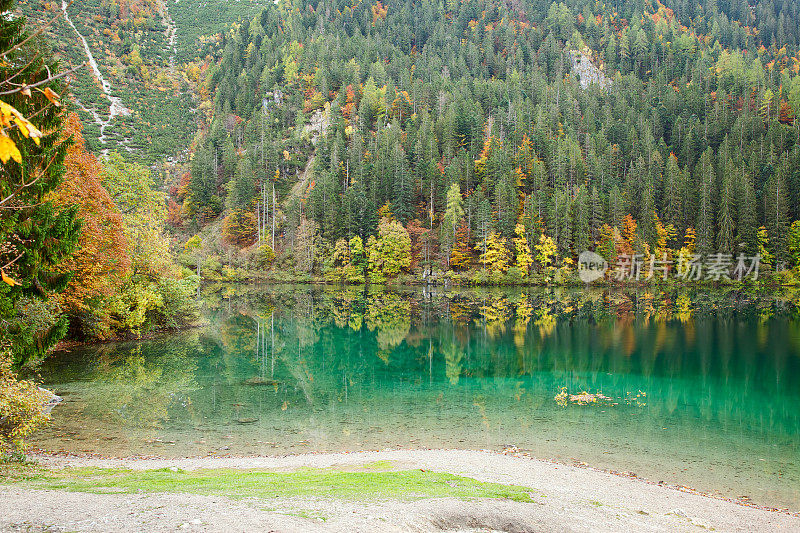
(694, 389)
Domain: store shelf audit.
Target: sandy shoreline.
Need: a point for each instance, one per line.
(568, 498)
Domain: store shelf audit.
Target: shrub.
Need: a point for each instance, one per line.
(180, 304)
(515, 276)
(37, 327)
(22, 407)
(265, 256)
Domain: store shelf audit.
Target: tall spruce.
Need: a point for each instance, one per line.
(35, 235)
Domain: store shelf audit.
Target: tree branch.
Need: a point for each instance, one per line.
(12, 261)
(43, 82)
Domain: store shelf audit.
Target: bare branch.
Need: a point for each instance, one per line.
(12, 261)
(45, 81)
(20, 71)
(25, 185)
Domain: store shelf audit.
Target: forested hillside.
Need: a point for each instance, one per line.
(484, 132)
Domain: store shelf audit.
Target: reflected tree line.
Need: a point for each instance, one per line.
(728, 358)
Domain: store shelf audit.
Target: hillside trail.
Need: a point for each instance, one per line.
(116, 107)
(169, 31)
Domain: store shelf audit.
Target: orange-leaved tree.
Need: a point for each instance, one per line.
(101, 261)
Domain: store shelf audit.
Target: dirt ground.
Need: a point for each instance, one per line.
(567, 498)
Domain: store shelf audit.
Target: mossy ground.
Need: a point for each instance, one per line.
(372, 481)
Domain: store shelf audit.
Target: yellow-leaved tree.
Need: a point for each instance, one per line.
(524, 258)
(495, 258)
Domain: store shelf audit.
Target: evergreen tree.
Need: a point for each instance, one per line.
(747, 215)
(775, 211)
(35, 235)
(597, 216)
(727, 206)
(582, 223)
(704, 176)
(673, 208)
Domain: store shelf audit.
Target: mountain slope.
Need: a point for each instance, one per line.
(669, 125)
(148, 54)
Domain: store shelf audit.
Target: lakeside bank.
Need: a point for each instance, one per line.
(509, 493)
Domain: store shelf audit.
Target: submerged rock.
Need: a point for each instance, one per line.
(49, 400)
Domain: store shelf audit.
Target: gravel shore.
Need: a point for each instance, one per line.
(567, 498)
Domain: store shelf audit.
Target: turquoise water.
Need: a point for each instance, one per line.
(695, 389)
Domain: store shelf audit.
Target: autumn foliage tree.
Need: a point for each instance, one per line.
(239, 228)
(495, 256)
(524, 258)
(101, 261)
(461, 256)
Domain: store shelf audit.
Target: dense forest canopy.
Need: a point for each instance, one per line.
(660, 124)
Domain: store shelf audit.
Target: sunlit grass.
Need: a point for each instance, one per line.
(307, 482)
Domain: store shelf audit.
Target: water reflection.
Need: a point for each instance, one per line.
(692, 388)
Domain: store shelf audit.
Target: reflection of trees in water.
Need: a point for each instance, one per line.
(453, 356)
(390, 316)
(671, 345)
(138, 386)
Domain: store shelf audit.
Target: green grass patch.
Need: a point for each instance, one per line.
(377, 465)
(309, 482)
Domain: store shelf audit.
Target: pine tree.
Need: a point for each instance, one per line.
(597, 216)
(582, 224)
(647, 212)
(673, 208)
(726, 230)
(35, 235)
(704, 176)
(775, 210)
(403, 185)
(616, 207)
(747, 222)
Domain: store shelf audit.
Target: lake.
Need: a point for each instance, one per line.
(691, 388)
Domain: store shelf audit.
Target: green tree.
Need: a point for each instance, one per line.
(453, 214)
(389, 253)
(35, 235)
(144, 211)
(704, 172)
(793, 247)
(582, 225)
